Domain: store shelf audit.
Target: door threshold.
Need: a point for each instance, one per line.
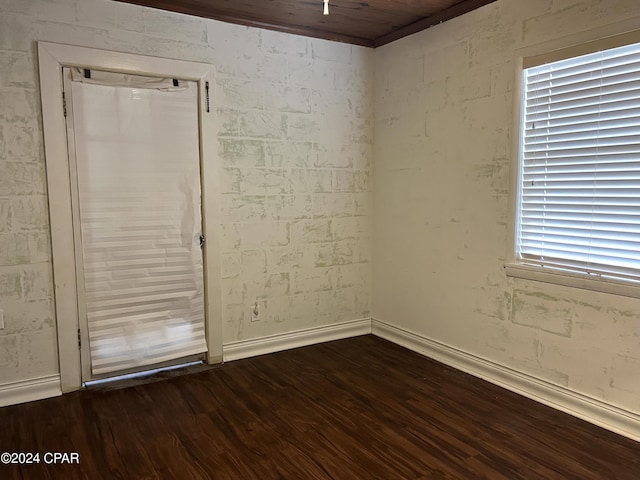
(146, 376)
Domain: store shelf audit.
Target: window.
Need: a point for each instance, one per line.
(579, 179)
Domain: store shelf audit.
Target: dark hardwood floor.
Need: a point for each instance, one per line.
(361, 408)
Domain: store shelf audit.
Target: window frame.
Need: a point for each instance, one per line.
(604, 38)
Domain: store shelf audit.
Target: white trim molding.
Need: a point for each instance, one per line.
(577, 280)
(594, 411)
(29, 390)
(299, 338)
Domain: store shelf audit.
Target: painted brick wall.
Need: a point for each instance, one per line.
(443, 155)
(295, 147)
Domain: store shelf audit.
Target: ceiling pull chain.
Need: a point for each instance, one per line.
(326, 7)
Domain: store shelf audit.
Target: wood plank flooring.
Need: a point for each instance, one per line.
(360, 408)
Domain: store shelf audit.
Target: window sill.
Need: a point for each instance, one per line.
(548, 275)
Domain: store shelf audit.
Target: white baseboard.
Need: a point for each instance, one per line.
(595, 411)
(299, 338)
(30, 390)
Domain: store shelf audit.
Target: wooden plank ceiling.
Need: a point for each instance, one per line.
(370, 23)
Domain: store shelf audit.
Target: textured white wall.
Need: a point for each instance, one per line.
(295, 147)
(442, 159)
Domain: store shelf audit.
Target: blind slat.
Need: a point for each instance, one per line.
(609, 104)
(621, 74)
(631, 165)
(587, 63)
(594, 129)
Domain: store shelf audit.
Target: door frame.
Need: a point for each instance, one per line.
(52, 58)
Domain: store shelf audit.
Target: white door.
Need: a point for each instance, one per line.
(135, 168)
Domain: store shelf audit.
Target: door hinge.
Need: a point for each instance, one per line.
(202, 240)
(206, 91)
(64, 104)
(79, 339)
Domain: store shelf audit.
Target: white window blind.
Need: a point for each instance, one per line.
(579, 203)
